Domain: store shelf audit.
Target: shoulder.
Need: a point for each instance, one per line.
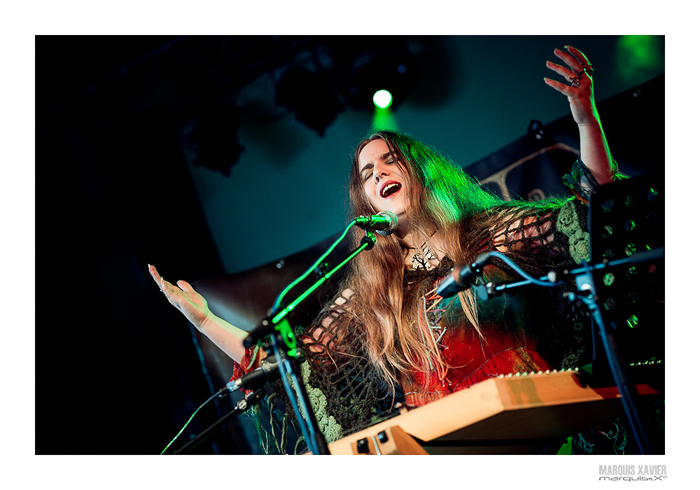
(518, 226)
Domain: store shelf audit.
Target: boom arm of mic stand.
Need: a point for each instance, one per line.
(584, 282)
(489, 290)
(268, 325)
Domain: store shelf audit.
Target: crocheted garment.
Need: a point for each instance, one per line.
(530, 329)
(517, 328)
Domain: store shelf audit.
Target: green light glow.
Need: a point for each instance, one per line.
(632, 321)
(382, 99)
(640, 57)
(642, 49)
(608, 279)
(384, 119)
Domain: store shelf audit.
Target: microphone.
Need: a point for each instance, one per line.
(463, 278)
(268, 370)
(384, 223)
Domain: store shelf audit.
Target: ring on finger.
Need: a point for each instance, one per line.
(576, 79)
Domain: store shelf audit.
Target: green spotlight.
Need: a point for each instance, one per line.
(639, 57)
(643, 50)
(382, 99)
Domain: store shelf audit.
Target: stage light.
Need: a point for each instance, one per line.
(379, 80)
(382, 99)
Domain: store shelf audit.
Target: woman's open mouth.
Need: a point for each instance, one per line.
(389, 189)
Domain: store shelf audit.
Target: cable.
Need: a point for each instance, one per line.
(275, 307)
(517, 269)
(221, 391)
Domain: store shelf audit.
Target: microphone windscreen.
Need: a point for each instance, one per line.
(394, 223)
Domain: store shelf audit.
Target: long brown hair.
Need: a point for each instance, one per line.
(443, 202)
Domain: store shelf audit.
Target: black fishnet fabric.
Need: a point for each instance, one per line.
(334, 345)
(534, 241)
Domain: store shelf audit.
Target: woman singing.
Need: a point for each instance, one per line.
(388, 337)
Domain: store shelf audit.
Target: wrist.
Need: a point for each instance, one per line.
(206, 322)
(589, 125)
(587, 117)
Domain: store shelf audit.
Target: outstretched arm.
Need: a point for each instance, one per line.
(193, 305)
(595, 153)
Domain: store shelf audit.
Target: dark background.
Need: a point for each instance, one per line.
(137, 151)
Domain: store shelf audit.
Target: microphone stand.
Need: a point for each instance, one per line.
(287, 354)
(624, 385)
(585, 283)
(490, 290)
(269, 324)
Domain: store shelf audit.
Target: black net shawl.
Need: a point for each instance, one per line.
(346, 391)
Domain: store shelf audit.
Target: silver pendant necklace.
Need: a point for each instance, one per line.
(422, 258)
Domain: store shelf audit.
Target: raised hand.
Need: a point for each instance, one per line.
(595, 153)
(579, 89)
(184, 298)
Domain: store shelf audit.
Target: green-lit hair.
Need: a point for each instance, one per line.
(446, 206)
(439, 191)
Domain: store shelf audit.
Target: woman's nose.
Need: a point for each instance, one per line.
(378, 172)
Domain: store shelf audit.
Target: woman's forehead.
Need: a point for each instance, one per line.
(373, 151)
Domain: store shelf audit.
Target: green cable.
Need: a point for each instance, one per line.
(190, 419)
(276, 305)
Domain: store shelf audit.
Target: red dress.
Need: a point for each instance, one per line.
(504, 347)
